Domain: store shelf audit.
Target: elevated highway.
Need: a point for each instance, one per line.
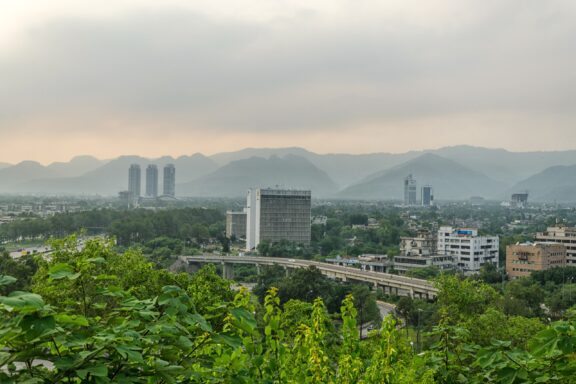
(392, 284)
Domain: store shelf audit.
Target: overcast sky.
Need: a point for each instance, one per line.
(177, 77)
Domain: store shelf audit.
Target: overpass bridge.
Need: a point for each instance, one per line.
(391, 284)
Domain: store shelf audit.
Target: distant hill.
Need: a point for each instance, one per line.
(347, 169)
(78, 166)
(505, 166)
(112, 177)
(88, 175)
(22, 172)
(5, 165)
(450, 180)
(235, 178)
(344, 169)
(554, 184)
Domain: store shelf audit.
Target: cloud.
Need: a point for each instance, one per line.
(309, 67)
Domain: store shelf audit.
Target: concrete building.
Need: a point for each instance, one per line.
(562, 235)
(169, 180)
(523, 259)
(236, 224)
(125, 198)
(420, 252)
(519, 200)
(469, 250)
(409, 190)
(427, 196)
(152, 181)
(134, 176)
(423, 244)
(277, 214)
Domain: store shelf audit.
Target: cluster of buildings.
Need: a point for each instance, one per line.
(272, 215)
(411, 196)
(555, 247)
(465, 250)
(10, 210)
(449, 248)
(134, 192)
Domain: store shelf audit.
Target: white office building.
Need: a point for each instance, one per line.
(277, 214)
(468, 250)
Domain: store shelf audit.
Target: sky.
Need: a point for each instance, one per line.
(173, 77)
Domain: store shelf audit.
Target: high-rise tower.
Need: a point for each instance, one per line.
(152, 181)
(170, 180)
(409, 190)
(427, 196)
(134, 181)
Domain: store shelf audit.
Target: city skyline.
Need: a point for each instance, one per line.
(111, 78)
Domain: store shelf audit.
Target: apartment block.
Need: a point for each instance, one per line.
(523, 259)
(561, 234)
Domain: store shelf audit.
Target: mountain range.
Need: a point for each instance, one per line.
(454, 172)
(450, 180)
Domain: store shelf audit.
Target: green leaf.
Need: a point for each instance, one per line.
(23, 301)
(507, 375)
(129, 354)
(246, 320)
(232, 341)
(97, 371)
(204, 325)
(72, 320)
(544, 343)
(5, 280)
(62, 271)
(35, 326)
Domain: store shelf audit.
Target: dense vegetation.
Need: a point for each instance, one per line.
(97, 316)
(128, 226)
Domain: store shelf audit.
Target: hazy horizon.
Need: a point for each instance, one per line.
(175, 156)
(177, 77)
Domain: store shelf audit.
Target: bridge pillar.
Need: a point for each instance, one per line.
(258, 269)
(228, 271)
(411, 293)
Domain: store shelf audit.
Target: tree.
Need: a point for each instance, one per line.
(22, 269)
(365, 303)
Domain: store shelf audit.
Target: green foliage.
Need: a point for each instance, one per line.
(190, 225)
(22, 269)
(97, 316)
(365, 303)
(284, 248)
(461, 299)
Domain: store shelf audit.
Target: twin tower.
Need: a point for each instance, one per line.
(134, 180)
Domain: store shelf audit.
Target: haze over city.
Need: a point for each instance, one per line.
(176, 77)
